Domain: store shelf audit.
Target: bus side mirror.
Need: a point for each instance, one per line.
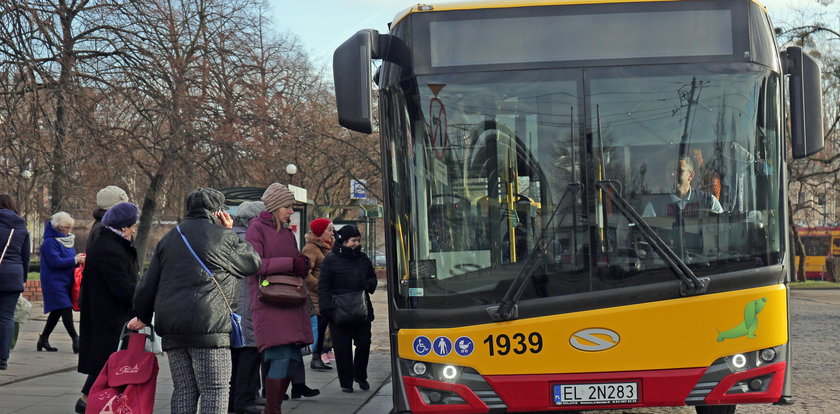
(805, 101)
(352, 77)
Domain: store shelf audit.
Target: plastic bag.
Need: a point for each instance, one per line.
(22, 310)
(76, 290)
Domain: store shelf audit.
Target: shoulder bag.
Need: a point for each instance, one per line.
(350, 308)
(237, 336)
(9, 241)
(282, 290)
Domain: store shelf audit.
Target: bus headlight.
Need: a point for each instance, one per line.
(419, 369)
(739, 361)
(767, 355)
(449, 372)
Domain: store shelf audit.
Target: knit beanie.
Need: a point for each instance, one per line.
(109, 196)
(207, 199)
(276, 196)
(121, 215)
(319, 225)
(346, 233)
(247, 211)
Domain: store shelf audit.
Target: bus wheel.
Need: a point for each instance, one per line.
(715, 409)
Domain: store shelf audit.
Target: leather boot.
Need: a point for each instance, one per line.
(317, 364)
(274, 390)
(299, 390)
(43, 343)
(75, 339)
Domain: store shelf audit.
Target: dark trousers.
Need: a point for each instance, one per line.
(245, 377)
(351, 367)
(8, 302)
(91, 378)
(66, 315)
(322, 332)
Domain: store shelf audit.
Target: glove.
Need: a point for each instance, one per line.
(301, 266)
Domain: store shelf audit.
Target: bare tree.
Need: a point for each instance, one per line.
(813, 180)
(57, 48)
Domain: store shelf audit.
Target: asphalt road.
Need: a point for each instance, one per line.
(815, 337)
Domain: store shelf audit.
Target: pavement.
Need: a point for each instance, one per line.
(47, 382)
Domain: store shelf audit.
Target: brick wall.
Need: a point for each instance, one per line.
(32, 291)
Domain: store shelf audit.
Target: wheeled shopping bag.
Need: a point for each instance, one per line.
(127, 382)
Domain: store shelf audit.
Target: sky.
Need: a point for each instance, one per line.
(322, 25)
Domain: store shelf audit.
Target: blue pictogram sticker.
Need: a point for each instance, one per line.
(442, 346)
(422, 346)
(464, 346)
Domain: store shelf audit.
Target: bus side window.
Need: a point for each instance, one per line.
(835, 246)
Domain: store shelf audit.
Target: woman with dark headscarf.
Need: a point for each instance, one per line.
(347, 270)
(14, 265)
(107, 292)
(191, 311)
(245, 380)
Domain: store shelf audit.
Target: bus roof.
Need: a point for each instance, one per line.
(501, 4)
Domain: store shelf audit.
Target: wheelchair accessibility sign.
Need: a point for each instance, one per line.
(422, 346)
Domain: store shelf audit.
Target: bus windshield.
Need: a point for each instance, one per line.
(496, 161)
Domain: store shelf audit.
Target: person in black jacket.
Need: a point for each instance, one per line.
(107, 292)
(14, 265)
(191, 308)
(105, 199)
(346, 269)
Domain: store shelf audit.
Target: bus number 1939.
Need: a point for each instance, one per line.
(518, 343)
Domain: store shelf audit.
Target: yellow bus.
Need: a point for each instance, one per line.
(820, 243)
(585, 201)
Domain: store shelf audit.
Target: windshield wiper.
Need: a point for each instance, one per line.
(507, 309)
(690, 284)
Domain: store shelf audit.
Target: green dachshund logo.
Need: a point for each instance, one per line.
(750, 323)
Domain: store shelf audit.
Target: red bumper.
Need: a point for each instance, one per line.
(522, 393)
(656, 388)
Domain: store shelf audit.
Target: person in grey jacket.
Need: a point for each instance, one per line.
(191, 310)
(245, 380)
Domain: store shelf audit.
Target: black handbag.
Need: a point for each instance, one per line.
(350, 308)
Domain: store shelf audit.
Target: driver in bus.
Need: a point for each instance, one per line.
(688, 201)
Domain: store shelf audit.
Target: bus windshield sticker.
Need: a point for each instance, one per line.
(415, 291)
(422, 346)
(464, 346)
(443, 346)
(748, 325)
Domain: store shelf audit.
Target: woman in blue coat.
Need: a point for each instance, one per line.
(58, 259)
(14, 265)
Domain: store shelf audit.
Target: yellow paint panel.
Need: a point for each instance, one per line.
(679, 333)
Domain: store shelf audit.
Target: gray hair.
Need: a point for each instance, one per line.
(247, 211)
(62, 218)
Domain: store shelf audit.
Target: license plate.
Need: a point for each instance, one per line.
(595, 394)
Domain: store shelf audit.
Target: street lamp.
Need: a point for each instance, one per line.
(291, 169)
(23, 197)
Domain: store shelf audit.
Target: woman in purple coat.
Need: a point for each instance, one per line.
(58, 259)
(280, 332)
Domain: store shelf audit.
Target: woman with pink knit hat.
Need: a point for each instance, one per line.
(280, 331)
(319, 242)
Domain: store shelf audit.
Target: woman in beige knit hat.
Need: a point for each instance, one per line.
(280, 331)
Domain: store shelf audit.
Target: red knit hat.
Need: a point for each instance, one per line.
(318, 226)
